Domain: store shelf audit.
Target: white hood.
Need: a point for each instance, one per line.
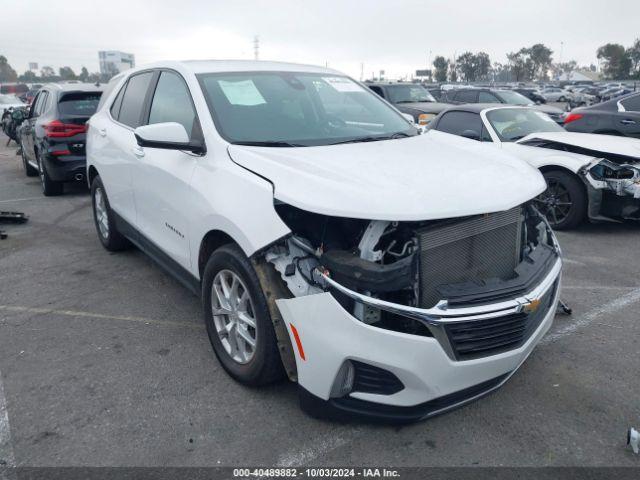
(427, 177)
(591, 141)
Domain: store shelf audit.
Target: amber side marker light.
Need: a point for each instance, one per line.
(296, 336)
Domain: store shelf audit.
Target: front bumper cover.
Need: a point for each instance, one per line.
(434, 380)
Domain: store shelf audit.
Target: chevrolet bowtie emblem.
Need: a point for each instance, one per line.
(532, 306)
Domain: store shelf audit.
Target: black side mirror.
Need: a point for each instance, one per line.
(471, 135)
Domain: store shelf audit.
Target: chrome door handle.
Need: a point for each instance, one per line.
(628, 122)
(103, 132)
(138, 152)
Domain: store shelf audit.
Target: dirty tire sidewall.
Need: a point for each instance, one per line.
(115, 241)
(49, 187)
(265, 366)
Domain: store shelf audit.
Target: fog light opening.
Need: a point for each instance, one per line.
(343, 384)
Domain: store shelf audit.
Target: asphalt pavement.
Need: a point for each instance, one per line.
(104, 361)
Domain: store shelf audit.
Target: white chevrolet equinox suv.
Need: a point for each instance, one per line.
(392, 274)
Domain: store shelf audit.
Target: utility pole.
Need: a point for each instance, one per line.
(256, 47)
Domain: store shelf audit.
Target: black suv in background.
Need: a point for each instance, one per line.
(53, 136)
(410, 98)
(489, 95)
(532, 94)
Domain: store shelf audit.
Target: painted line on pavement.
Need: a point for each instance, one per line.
(589, 317)
(100, 316)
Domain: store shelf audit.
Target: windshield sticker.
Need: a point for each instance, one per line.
(342, 84)
(242, 93)
(545, 117)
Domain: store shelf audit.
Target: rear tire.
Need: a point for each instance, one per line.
(49, 187)
(104, 219)
(564, 203)
(230, 330)
(28, 169)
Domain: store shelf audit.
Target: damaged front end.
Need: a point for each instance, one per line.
(613, 189)
(417, 277)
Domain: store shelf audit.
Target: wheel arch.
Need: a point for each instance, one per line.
(92, 172)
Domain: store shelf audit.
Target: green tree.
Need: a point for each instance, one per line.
(483, 65)
(633, 53)
(441, 66)
(84, 74)
(521, 65)
(616, 61)
(66, 73)
(540, 60)
(28, 77)
(466, 65)
(7, 74)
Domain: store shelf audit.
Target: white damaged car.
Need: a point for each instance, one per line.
(392, 275)
(589, 176)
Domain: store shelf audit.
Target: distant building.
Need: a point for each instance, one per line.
(114, 62)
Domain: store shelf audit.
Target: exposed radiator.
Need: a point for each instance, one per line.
(474, 248)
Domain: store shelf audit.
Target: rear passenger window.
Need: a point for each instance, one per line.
(631, 104)
(117, 103)
(458, 122)
(172, 102)
(133, 99)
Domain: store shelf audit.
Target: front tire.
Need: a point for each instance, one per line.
(564, 203)
(104, 219)
(237, 319)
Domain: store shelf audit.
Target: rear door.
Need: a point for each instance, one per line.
(115, 144)
(29, 129)
(162, 178)
(629, 120)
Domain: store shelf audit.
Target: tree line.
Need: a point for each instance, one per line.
(48, 74)
(536, 63)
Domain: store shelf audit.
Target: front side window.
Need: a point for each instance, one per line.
(409, 94)
(298, 109)
(172, 102)
(512, 124)
(631, 104)
(133, 99)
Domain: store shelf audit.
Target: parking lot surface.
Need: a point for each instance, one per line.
(104, 361)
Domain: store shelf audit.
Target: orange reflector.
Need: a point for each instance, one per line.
(298, 342)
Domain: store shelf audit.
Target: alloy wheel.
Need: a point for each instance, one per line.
(555, 202)
(102, 217)
(234, 316)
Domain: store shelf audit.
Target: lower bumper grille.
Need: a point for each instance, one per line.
(482, 338)
(473, 249)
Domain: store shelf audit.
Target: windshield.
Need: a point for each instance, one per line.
(9, 100)
(513, 98)
(512, 124)
(284, 109)
(409, 94)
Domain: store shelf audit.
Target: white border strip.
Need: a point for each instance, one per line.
(6, 446)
